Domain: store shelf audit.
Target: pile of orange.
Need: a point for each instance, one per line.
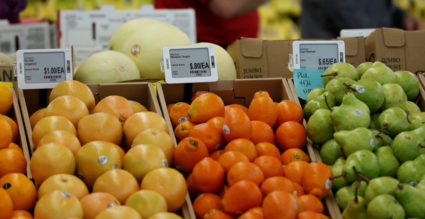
(247, 161)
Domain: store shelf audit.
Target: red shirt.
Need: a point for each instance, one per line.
(213, 29)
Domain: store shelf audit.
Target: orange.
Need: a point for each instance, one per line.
(236, 124)
(13, 126)
(216, 214)
(311, 203)
(118, 212)
(6, 98)
(61, 137)
(205, 107)
(269, 165)
(262, 108)
(21, 190)
(178, 113)
(158, 138)
(137, 107)
(51, 123)
(63, 182)
(206, 202)
(141, 121)
(290, 135)
(266, 148)
(197, 94)
(6, 133)
(6, 206)
(288, 110)
(142, 158)
(317, 179)
(73, 88)
(235, 105)
(242, 145)
(12, 161)
(295, 170)
(100, 127)
(253, 213)
(216, 154)
(311, 215)
(261, 132)
(208, 134)
(280, 205)
(217, 122)
(95, 202)
(69, 106)
(117, 182)
(293, 154)
(191, 187)
(208, 175)
(118, 106)
(229, 158)
(244, 171)
(183, 129)
(58, 204)
(277, 183)
(241, 196)
(22, 213)
(298, 189)
(36, 116)
(188, 152)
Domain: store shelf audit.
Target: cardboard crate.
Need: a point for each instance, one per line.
(142, 92)
(354, 50)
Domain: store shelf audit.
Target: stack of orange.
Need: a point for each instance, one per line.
(247, 162)
(17, 192)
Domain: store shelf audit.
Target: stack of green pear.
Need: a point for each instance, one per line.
(368, 127)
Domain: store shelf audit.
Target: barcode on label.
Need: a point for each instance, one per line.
(5, 47)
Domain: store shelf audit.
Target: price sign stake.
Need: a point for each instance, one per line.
(188, 64)
(311, 59)
(43, 68)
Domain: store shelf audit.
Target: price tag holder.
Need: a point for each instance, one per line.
(311, 59)
(189, 64)
(43, 68)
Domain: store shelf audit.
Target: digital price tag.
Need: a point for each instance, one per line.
(43, 68)
(187, 64)
(311, 59)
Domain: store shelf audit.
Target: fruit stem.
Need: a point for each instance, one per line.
(356, 191)
(386, 126)
(349, 88)
(407, 116)
(421, 145)
(360, 175)
(382, 138)
(336, 177)
(329, 75)
(327, 104)
(400, 186)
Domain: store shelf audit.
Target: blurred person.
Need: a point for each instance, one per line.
(220, 21)
(326, 18)
(9, 10)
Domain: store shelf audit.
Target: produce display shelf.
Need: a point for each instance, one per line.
(142, 92)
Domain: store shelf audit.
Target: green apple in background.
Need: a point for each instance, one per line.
(370, 92)
(340, 69)
(388, 163)
(411, 107)
(361, 163)
(379, 72)
(394, 96)
(351, 114)
(379, 186)
(409, 144)
(330, 152)
(323, 101)
(412, 199)
(355, 140)
(356, 209)
(338, 88)
(346, 193)
(315, 93)
(363, 67)
(393, 121)
(408, 81)
(319, 126)
(339, 173)
(385, 206)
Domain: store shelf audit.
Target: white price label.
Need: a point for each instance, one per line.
(43, 68)
(187, 64)
(317, 55)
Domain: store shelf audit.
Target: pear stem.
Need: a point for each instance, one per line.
(386, 126)
(329, 75)
(360, 175)
(407, 116)
(327, 104)
(400, 186)
(342, 175)
(382, 139)
(421, 145)
(356, 191)
(349, 88)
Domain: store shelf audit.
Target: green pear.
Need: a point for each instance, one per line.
(412, 171)
(374, 121)
(338, 87)
(355, 140)
(388, 163)
(421, 184)
(411, 107)
(393, 121)
(340, 69)
(379, 72)
(315, 93)
(379, 186)
(346, 193)
(409, 144)
(385, 206)
(362, 163)
(383, 139)
(363, 67)
(394, 95)
(370, 92)
(324, 101)
(319, 126)
(339, 174)
(417, 119)
(356, 209)
(330, 152)
(412, 199)
(408, 81)
(351, 114)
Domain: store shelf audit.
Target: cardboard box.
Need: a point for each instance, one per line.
(257, 58)
(354, 50)
(6, 73)
(398, 49)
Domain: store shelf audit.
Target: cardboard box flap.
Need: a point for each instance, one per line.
(252, 47)
(351, 46)
(393, 37)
